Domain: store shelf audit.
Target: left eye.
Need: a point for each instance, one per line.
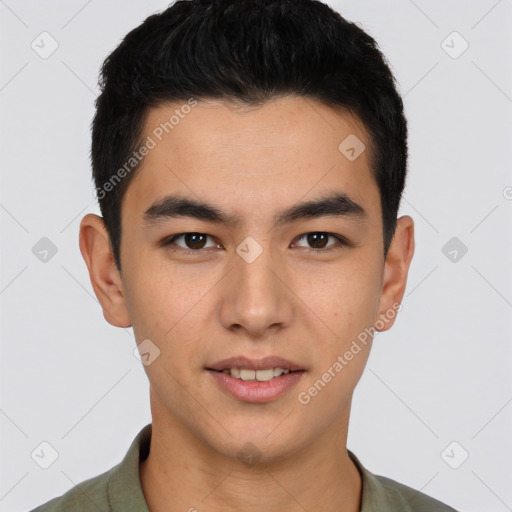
(319, 240)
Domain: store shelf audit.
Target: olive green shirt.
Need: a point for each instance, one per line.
(119, 489)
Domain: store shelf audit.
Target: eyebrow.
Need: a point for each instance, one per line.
(336, 204)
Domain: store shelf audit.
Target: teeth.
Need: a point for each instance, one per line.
(264, 375)
(259, 375)
(247, 374)
(279, 371)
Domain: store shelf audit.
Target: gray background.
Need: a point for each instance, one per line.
(442, 374)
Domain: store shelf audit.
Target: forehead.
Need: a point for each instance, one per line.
(288, 149)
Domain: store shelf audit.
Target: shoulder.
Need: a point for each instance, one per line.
(410, 499)
(115, 490)
(382, 494)
(88, 496)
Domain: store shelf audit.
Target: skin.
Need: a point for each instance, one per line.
(296, 301)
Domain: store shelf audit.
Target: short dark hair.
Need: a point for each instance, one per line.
(246, 52)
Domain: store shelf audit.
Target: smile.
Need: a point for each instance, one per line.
(259, 375)
(254, 390)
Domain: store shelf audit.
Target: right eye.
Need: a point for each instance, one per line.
(190, 242)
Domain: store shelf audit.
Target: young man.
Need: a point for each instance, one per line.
(249, 158)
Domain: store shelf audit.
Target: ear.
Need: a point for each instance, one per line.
(105, 277)
(396, 269)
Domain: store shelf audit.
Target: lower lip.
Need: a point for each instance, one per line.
(256, 391)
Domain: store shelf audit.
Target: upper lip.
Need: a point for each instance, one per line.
(255, 364)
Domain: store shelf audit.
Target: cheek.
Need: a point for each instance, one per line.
(346, 299)
(167, 305)
(151, 296)
(325, 398)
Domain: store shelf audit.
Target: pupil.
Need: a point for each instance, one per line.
(195, 240)
(317, 240)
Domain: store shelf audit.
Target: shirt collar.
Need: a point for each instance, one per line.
(124, 488)
(373, 493)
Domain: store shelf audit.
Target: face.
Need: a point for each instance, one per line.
(251, 242)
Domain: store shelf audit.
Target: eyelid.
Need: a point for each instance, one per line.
(170, 240)
(340, 241)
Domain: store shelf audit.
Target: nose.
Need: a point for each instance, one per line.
(256, 297)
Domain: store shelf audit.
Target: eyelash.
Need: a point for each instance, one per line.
(341, 242)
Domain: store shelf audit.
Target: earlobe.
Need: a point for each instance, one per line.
(396, 270)
(105, 278)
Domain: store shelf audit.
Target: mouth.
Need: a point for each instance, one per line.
(263, 369)
(256, 380)
(247, 374)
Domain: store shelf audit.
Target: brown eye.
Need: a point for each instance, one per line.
(195, 240)
(190, 241)
(317, 240)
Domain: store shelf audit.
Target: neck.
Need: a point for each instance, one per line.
(182, 474)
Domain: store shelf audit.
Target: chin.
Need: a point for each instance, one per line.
(257, 447)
